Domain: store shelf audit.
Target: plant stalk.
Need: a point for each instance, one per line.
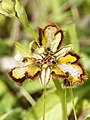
(44, 95)
(62, 96)
(72, 98)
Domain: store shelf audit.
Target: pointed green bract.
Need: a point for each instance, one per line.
(22, 50)
(21, 13)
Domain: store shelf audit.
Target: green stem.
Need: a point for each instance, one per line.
(66, 103)
(62, 95)
(31, 31)
(21, 14)
(44, 94)
(72, 98)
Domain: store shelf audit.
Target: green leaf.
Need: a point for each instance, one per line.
(73, 37)
(14, 114)
(60, 17)
(52, 108)
(53, 104)
(22, 50)
(3, 88)
(37, 86)
(6, 102)
(87, 118)
(61, 93)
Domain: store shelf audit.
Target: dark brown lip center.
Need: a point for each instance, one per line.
(48, 59)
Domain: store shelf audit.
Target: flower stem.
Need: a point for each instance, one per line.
(31, 31)
(44, 95)
(72, 98)
(66, 103)
(21, 14)
(62, 95)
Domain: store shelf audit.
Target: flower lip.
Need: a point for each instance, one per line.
(48, 59)
(25, 59)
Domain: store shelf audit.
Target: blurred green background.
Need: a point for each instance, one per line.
(26, 102)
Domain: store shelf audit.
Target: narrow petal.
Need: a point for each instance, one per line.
(45, 74)
(37, 56)
(63, 51)
(51, 37)
(18, 74)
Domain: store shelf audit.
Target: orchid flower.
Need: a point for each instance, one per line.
(49, 60)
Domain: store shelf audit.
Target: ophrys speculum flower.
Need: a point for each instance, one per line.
(50, 61)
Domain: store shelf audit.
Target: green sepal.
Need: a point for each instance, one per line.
(22, 50)
(21, 14)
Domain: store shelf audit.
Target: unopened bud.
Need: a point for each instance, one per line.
(7, 7)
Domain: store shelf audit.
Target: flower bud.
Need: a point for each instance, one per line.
(7, 8)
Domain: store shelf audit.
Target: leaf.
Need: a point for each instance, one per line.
(87, 118)
(35, 86)
(73, 37)
(13, 113)
(3, 87)
(61, 93)
(53, 105)
(6, 102)
(60, 17)
(22, 50)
